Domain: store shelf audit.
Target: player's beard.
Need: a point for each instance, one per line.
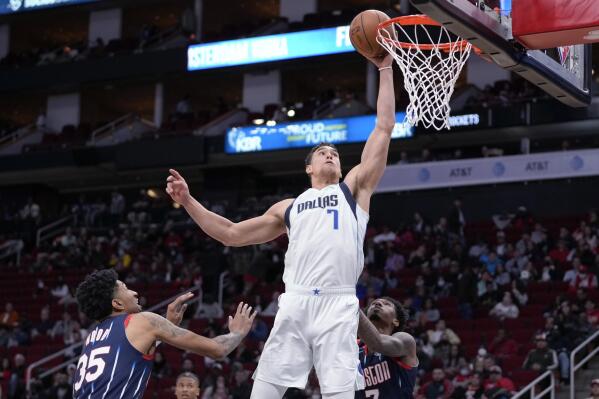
(375, 317)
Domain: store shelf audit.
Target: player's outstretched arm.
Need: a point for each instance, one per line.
(396, 345)
(148, 327)
(257, 230)
(366, 176)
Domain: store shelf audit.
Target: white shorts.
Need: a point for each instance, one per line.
(314, 327)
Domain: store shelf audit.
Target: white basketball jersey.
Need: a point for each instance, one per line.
(326, 231)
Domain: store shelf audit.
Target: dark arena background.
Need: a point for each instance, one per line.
(487, 232)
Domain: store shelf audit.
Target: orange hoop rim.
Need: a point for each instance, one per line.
(421, 19)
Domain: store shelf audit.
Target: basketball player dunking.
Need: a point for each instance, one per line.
(117, 356)
(317, 321)
(387, 354)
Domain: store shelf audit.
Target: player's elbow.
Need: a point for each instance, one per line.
(386, 125)
(231, 238)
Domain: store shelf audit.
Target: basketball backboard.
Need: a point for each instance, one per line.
(564, 72)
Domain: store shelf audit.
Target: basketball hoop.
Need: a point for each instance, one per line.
(430, 69)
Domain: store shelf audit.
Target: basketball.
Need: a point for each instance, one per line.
(363, 32)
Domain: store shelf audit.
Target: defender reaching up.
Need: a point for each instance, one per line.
(317, 320)
(118, 354)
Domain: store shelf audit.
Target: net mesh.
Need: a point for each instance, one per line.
(430, 69)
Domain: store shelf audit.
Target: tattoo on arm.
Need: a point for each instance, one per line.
(164, 326)
(229, 342)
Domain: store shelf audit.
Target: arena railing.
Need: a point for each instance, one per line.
(17, 134)
(111, 127)
(531, 391)
(588, 344)
(73, 348)
(53, 229)
(12, 248)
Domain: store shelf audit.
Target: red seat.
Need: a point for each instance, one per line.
(522, 378)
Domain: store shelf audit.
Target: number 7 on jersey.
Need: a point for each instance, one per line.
(335, 213)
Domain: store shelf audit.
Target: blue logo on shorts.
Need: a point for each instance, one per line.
(316, 291)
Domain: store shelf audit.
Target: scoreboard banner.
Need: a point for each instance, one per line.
(284, 46)
(506, 169)
(307, 133)
(14, 6)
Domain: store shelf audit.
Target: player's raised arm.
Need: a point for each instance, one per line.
(396, 345)
(165, 331)
(252, 231)
(365, 177)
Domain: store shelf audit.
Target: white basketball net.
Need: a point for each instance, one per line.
(430, 70)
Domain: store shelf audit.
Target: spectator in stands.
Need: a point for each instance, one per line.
(429, 314)
(466, 288)
(117, 206)
(439, 387)
(570, 275)
(16, 384)
(44, 325)
(31, 212)
(40, 121)
(560, 253)
(519, 292)
(63, 328)
(503, 346)
(505, 309)
(538, 235)
(592, 313)
(218, 390)
(490, 262)
(61, 290)
(241, 385)
(486, 289)
(456, 219)
(68, 239)
(241, 354)
(594, 389)
(386, 235)
(160, 368)
(583, 279)
(60, 388)
(259, 331)
(442, 333)
(273, 306)
(497, 380)
(187, 365)
(501, 246)
(541, 358)
(187, 386)
(9, 319)
(473, 389)
(502, 277)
